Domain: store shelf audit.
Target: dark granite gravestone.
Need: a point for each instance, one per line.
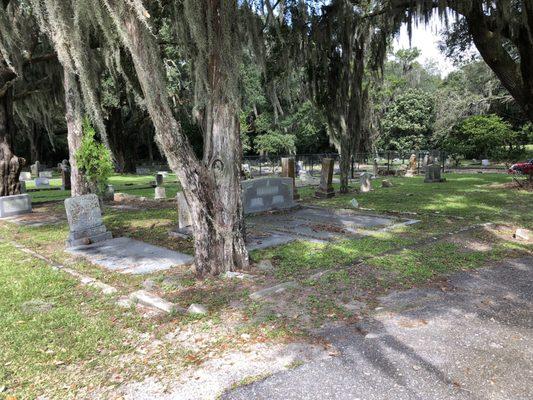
(160, 192)
(85, 221)
(288, 170)
(65, 175)
(267, 194)
(433, 174)
(326, 179)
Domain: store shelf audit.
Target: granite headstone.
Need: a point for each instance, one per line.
(85, 221)
(267, 194)
(288, 170)
(325, 188)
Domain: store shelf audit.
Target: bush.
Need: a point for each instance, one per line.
(485, 136)
(94, 160)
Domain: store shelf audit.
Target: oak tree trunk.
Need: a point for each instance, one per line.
(10, 164)
(74, 117)
(211, 186)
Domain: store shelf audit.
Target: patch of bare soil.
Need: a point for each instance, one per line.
(516, 184)
(129, 201)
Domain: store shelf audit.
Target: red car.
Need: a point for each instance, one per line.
(525, 168)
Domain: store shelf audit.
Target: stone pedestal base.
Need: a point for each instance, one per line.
(15, 205)
(160, 193)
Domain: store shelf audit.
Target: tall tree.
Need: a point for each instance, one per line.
(211, 184)
(344, 44)
(502, 32)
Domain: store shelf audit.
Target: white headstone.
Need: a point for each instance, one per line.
(366, 186)
(45, 174)
(25, 176)
(15, 205)
(42, 183)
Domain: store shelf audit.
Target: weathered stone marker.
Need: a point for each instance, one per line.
(288, 170)
(413, 164)
(35, 169)
(326, 179)
(267, 194)
(375, 168)
(64, 168)
(365, 185)
(85, 221)
(109, 193)
(45, 174)
(15, 205)
(160, 192)
(25, 176)
(142, 170)
(433, 174)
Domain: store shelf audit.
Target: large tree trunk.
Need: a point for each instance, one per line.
(74, 117)
(212, 187)
(10, 164)
(117, 139)
(34, 137)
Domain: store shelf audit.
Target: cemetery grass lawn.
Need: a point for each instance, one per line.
(43, 348)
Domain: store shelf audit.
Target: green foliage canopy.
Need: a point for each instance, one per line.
(94, 159)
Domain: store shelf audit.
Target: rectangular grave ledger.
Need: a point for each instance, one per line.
(42, 183)
(15, 205)
(267, 194)
(85, 221)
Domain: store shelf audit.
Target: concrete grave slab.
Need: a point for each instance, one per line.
(15, 205)
(129, 256)
(42, 183)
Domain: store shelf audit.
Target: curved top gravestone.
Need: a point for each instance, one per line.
(267, 194)
(85, 221)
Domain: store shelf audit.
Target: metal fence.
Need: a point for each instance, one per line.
(389, 161)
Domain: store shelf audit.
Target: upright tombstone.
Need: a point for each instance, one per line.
(288, 170)
(15, 205)
(433, 173)
(34, 168)
(109, 193)
(160, 192)
(25, 176)
(45, 174)
(325, 189)
(365, 185)
(142, 170)
(375, 168)
(65, 175)
(267, 194)
(413, 164)
(85, 221)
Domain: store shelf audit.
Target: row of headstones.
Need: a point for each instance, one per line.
(42, 178)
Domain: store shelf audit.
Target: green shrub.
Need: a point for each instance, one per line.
(94, 160)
